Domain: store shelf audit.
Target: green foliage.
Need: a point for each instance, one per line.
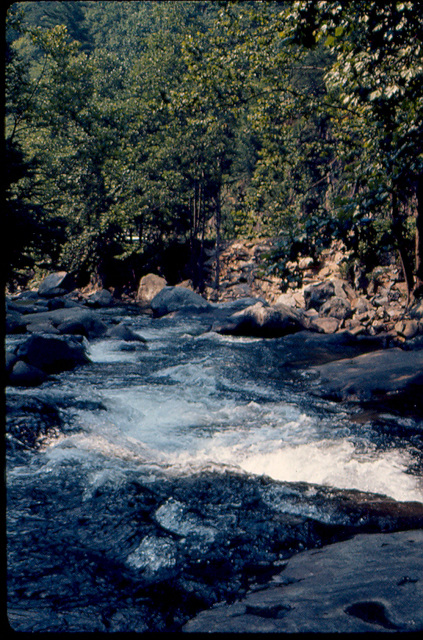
(135, 126)
(375, 100)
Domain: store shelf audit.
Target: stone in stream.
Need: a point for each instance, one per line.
(386, 373)
(370, 583)
(14, 322)
(28, 305)
(52, 354)
(74, 320)
(28, 420)
(261, 320)
(101, 298)
(123, 332)
(42, 327)
(150, 285)
(171, 299)
(23, 374)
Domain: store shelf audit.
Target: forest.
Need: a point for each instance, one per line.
(140, 134)
(213, 247)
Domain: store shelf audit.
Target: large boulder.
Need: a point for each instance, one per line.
(52, 354)
(72, 320)
(260, 320)
(101, 298)
(384, 374)
(368, 584)
(149, 286)
(56, 284)
(311, 349)
(171, 299)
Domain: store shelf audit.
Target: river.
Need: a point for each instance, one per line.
(140, 507)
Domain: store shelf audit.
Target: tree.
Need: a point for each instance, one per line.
(24, 218)
(374, 87)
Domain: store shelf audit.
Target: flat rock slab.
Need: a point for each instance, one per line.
(372, 375)
(371, 583)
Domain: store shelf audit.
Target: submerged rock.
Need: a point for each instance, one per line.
(28, 420)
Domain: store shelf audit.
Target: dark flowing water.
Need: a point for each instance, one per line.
(179, 475)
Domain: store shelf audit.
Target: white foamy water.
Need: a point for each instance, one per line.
(181, 420)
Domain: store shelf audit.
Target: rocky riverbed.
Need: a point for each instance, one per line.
(177, 456)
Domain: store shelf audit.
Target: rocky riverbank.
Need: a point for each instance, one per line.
(53, 324)
(174, 547)
(332, 299)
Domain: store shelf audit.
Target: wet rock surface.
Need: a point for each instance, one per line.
(390, 376)
(30, 363)
(171, 299)
(70, 320)
(130, 554)
(372, 583)
(114, 545)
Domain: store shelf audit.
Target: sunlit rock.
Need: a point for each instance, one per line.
(149, 286)
(336, 307)
(261, 320)
(324, 325)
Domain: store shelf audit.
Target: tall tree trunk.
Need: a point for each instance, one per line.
(201, 231)
(192, 235)
(401, 245)
(140, 230)
(418, 287)
(218, 220)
